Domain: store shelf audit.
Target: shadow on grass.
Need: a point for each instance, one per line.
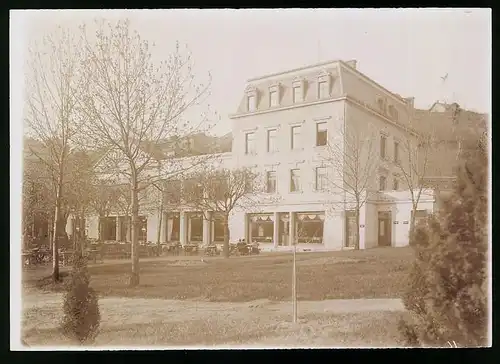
(47, 283)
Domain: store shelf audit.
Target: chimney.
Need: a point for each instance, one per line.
(410, 101)
(352, 63)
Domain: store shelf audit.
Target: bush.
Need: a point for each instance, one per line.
(81, 309)
(448, 283)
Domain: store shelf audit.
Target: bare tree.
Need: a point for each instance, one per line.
(220, 191)
(51, 116)
(132, 103)
(37, 197)
(431, 150)
(352, 160)
(79, 195)
(415, 165)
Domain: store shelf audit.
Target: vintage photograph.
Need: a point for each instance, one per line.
(254, 178)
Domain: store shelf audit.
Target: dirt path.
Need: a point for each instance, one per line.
(42, 311)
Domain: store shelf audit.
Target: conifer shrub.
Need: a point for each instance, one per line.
(447, 298)
(81, 308)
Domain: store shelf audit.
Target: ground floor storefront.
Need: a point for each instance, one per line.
(312, 227)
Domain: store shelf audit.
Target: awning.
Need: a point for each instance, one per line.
(262, 218)
(309, 217)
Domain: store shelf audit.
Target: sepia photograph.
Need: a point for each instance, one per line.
(251, 178)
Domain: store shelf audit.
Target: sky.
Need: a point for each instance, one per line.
(407, 51)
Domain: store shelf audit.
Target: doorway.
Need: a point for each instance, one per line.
(384, 228)
(350, 228)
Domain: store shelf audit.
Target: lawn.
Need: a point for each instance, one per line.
(373, 273)
(168, 323)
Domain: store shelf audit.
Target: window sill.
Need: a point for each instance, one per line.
(296, 192)
(320, 147)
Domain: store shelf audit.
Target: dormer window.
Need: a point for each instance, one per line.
(393, 113)
(381, 105)
(324, 85)
(298, 88)
(251, 98)
(274, 95)
(251, 103)
(273, 98)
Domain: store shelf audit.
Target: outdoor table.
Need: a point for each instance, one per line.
(191, 249)
(93, 253)
(66, 257)
(29, 258)
(211, 250)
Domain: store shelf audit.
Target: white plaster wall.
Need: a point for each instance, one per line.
(69, 226)
(306, 158)
(333, 230)
(358, 118)
(400, 204)
(371, 226)
(92, 223)
(152, 225)
(237, 225)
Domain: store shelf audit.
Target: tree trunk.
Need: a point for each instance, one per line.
(412, 223)
(226, 237)
(134, 276)
(49, 232)
(99, 228)
(158, 231)
(356, 241)
(56, 235)
(81, 234)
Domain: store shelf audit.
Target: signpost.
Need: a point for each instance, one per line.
(294, 283)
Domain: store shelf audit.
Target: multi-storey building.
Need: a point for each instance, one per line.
(282, 128)
(283, 125)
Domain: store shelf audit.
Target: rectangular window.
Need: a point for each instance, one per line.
(271, 182)
(143, 228)
(382, 183)
(396, 152)
(250, 143)
(321, 134)
(393, 113)
(395, 184)
(251, 103)
(321, 178)
(273, 98)
(294, 180)
(297, 94)
(249, 184)
(271, 140)
(295, 142)
(172, 191)
(383, 142)
(420, 215)
(323, 89)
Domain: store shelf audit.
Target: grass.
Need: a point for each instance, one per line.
(374, 273)
(139, 322)
(346, 330)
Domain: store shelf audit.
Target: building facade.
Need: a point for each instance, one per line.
(282, 129)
